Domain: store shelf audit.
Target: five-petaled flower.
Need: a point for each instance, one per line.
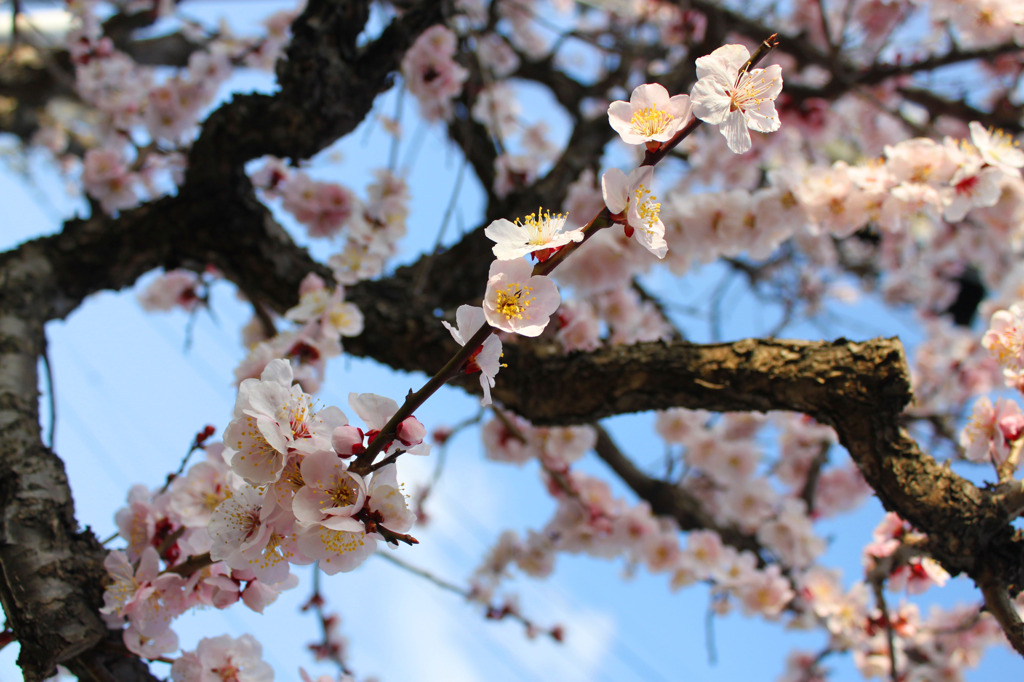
(650, 116)
(517, 301)
(487, 358)
(540, 233)
(725, 95)
(632, 196)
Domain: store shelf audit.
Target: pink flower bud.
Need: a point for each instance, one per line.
(411, 432)
(1011, 426)
(347, 441)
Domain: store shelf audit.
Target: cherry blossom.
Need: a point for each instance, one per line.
(733, 99)
(516, 300)
(650, 116)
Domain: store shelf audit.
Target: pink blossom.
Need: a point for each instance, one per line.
(632, 197)
(431, 74)
(173, 288)
(736, 100)
(1004, 338)
(387, 501)
(223, 659)
(331, 494)
(336, 551)
(997, 148)
(486, 360)
(985, 436)
(766, 593)
(271, 418)
(538, 232)
(650, 115)
(248, 531)
(376, 411)
(106, 177)
(516, 300)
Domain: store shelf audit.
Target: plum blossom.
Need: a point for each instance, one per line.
(991, 431)
(387, 502)
(650, 116)
(141, 594)
(516, 300)
(1004, 338)
(431, 73)
(538, 232)
(376, 411)
(223, 659)
(273, 418)
(248, 531)
(106, 176)
(766, 592)
(173, 288)
(487, 358)
(736, 99)
(325, 208)
(331, 494)
(336, 551)
(997, 148)
(971, 186)
(632, 196)
(318, 303)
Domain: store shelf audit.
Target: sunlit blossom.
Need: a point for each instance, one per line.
(518, 301)
(733, 99)
(650, 115)
(486, 359)
(536, 232)
(632, 195)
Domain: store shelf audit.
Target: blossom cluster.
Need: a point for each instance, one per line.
(371, 228)
(913, 199)
(140, 121)
(278, 493)
(727, 93)
(431, 73)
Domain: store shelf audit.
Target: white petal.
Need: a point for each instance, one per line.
(615, 190)
(646, 95)
(723, 64)
(710, 101)
(736, 134)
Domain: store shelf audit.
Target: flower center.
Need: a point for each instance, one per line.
(967, 186)
(345, 492)
(647, 206)
(512, 302)
(542, 224)
(650, 121)
(750, 91)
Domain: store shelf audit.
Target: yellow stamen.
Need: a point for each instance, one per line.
(647, 207)
(512, 303)
(650, 121)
